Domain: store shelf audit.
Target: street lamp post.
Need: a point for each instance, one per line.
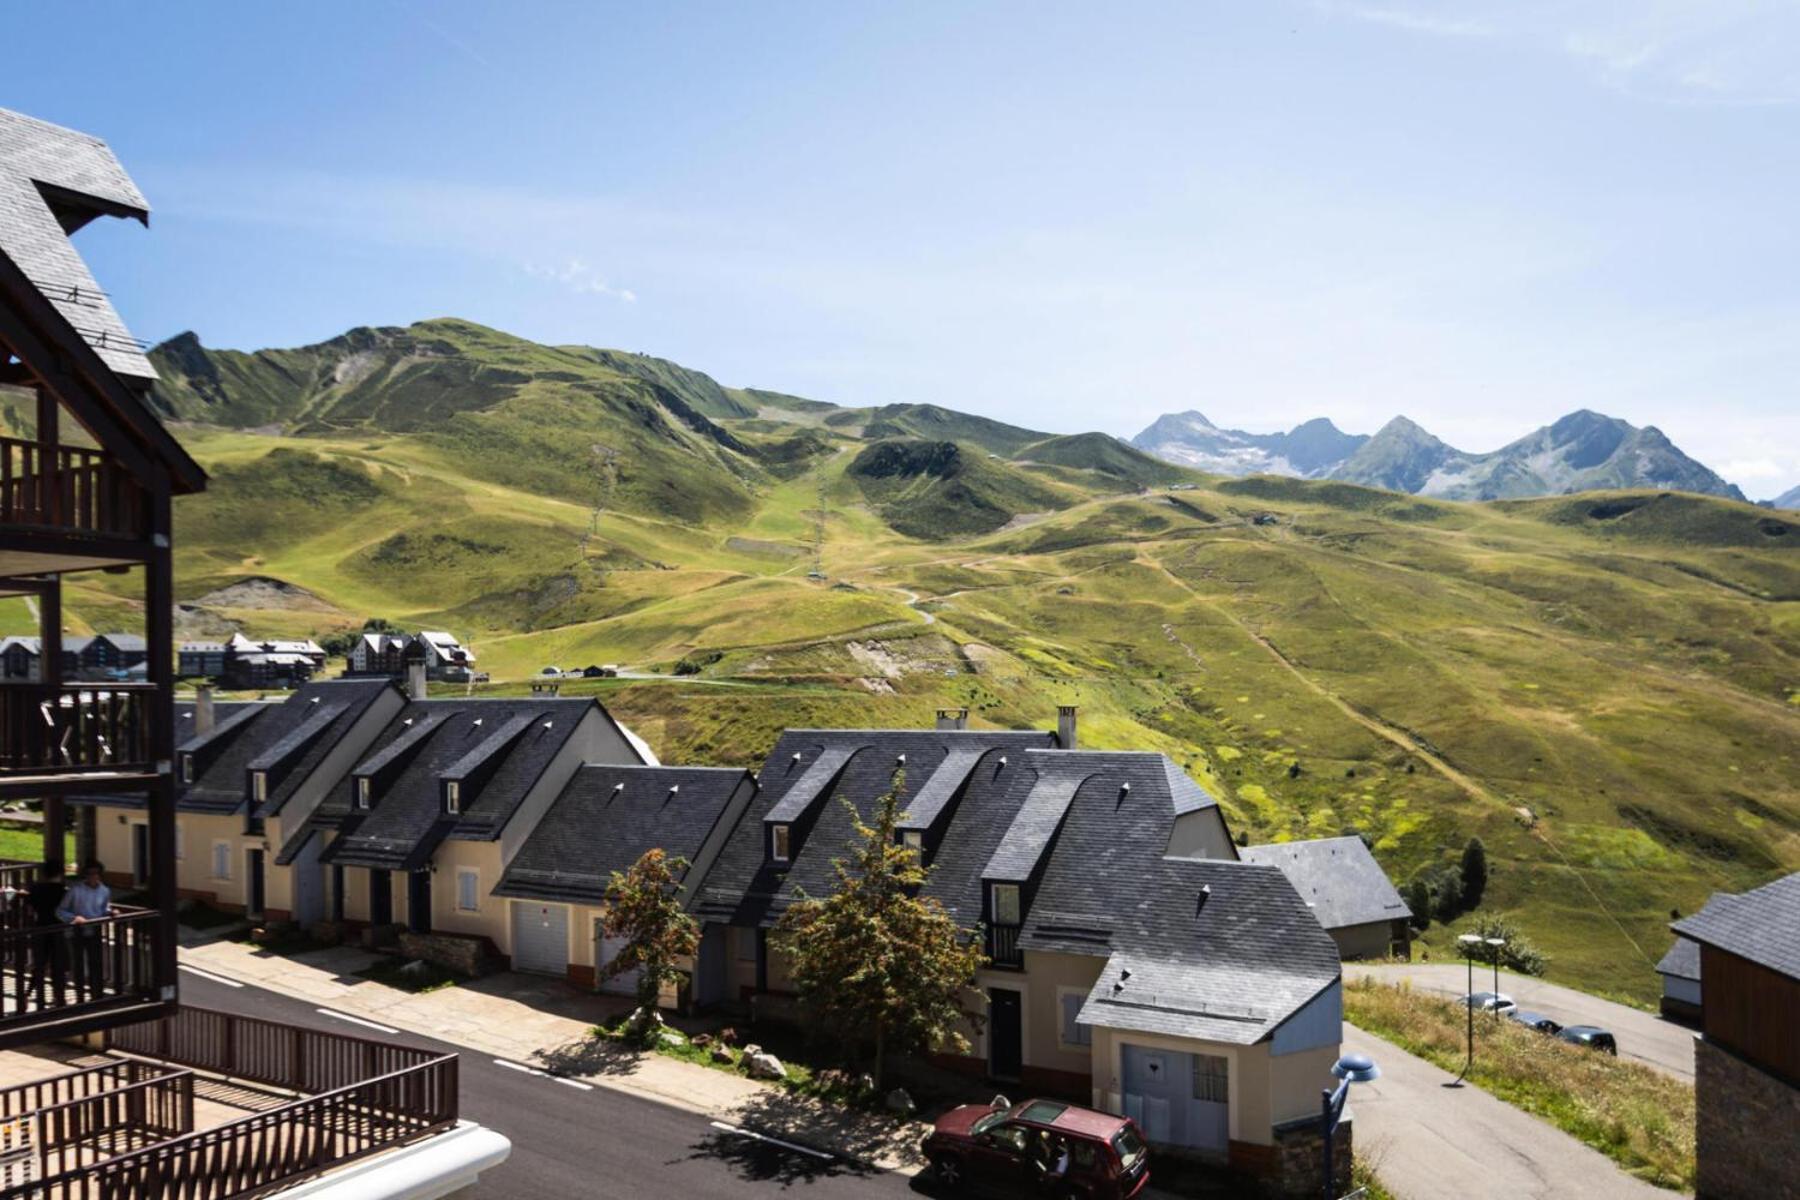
(1351, 1068)
(1468, 942)
(1494, 945)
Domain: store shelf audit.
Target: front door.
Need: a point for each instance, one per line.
(1005, 1030)
(140, 855)
(381, 898)
(253, 884)
(418, 901)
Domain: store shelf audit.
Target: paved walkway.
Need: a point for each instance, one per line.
(1643, 1036)
(544, 1023)
(1426, 1141)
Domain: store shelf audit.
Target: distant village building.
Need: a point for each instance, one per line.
(244, 663)
(445, 658)
(19, 658)
(105, 656)
(379, 654)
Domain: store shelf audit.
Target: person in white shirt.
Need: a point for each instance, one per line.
(87, 902)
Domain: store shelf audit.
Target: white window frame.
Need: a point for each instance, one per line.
(1018, 894)
(781, 844)
(364, 788)
(1062, 1022)
(913, 839)
(474, 874)
(453, 797)
(180, 842)
(259, 786)
(224, 858)
(187, 768)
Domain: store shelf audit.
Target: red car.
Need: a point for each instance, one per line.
(1039, 1148)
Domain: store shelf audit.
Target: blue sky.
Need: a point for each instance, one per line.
(1480, 214)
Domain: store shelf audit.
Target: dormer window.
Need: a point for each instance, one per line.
(259, 786)
(913, 839)
(363, 790)
(778, 843)
(453, 797)
(1006, 904)
(187, 768)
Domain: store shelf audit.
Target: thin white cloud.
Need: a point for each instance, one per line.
(1675, 51)
(581, 279)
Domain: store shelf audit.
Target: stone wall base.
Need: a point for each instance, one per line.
(1740, 1113)
(463, 953)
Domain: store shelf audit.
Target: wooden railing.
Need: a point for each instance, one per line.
(1003, 946)
(52, 971)
(24, 1098)
(407, 1094)
(67, 1136)
(68, 489)
(50, 729)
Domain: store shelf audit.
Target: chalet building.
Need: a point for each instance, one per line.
(1680, 971)
(245, 664)
(429, 817)
(247, 773)
(389, 653)
(1747, 1059)
(604, 820)
(1135, 963)
(1348, 892)
(89, 487)
(19, 658)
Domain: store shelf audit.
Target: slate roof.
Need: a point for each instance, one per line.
(289, 737)
(744, 888)
(1338, 876)
(83, 179)
(517, 738)
(1762, 926)
(607, 817)
(227, 716)
(1682, 961)
(1211, 949)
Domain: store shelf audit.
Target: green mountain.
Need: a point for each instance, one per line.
(1604, 687)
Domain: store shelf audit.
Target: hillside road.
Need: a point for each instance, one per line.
(1643, 1036)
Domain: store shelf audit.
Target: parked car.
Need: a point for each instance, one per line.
(1495, 1002)
(558, 671)
(1536, 1020)
(1591, 1036)
(1039, 1148)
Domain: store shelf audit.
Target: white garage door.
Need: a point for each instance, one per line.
(540, 937)
(625, 984)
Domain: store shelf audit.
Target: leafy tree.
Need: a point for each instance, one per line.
(875, 963)
(1474, 873)
(642, 906)
(1518, 954)
(1418, 898)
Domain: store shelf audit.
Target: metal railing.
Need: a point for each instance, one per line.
(1003, 946)
(125, 1118)
(64, 970)
(69, 489)
(71, 728)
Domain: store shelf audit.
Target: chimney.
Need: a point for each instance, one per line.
(415, 679)
(203, 708)
(1065, 726)
(952, 718)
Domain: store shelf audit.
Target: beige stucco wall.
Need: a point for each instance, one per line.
(489, 920)
(1044, 980)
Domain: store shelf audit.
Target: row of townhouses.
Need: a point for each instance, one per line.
(244, 663)
(390, 654)
(1139, 959)
(88, 475)
(101, 657)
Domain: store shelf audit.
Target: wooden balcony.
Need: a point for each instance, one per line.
(56, 736)
(67, 978)
(69, 490)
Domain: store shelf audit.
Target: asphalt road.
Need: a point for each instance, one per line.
(570, 1143)
(1643, 1036)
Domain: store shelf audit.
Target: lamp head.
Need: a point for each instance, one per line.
(1469, 939)
(1496, 941)
(1357, 1068)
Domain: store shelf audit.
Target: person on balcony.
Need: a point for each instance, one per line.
(50, 944)
(87, 903)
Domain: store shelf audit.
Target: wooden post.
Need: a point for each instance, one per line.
(159, 609)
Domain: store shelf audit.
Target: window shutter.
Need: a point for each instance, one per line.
(466, 887)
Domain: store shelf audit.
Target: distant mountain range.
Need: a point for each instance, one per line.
(1582, 452)
(1787, 499)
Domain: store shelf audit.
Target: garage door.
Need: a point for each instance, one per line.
(625, 984)
(540, 937)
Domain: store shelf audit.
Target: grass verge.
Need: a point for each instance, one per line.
(27, 845)
(831, 1086)
(1640, 1118)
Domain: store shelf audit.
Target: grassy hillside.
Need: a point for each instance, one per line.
(1605, 688)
